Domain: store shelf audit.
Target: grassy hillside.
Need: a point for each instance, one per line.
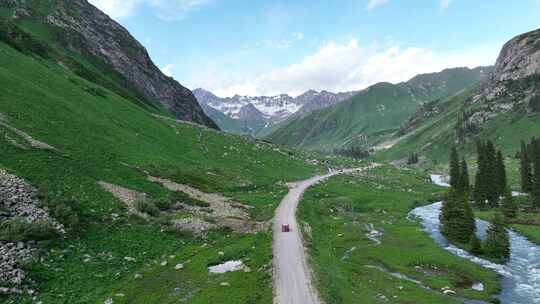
(99, 135)
(363, 246)
(434, 134)
(374, 113)
(224, 122)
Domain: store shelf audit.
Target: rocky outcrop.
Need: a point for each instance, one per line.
(519, 58)
(88, 31)
(17, 200)
(513, 83)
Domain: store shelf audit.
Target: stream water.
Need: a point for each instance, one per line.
(520, 277)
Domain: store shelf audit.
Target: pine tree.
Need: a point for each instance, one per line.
(476, 246)
(536, 177)
(509, 206)
(500, 174)
(457, 218)
(490, 178)
(497, 243)
(480, 192)
(454, 170)
(526, 170)
(464, 182)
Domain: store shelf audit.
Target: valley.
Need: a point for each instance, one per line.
(118, 184)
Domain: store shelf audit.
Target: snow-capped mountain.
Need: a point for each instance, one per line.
(253, 114)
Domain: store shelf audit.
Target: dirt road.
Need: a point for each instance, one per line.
(292, 277)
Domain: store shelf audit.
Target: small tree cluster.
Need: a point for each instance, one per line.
(530, 170)
(354, 152)
(464, 127)
(457, 218)
(491, 181)
(413, 159)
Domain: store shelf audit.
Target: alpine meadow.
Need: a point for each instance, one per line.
(269, 152)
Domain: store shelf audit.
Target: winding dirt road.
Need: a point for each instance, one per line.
(292, 276)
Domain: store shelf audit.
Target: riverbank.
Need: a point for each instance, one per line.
(363, 246)
(520, 276)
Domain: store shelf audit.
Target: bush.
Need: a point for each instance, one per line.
(18, 229)
(163, 204)
(147, 207)
(66, 214)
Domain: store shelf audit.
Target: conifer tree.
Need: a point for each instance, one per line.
(509, 206)
(457, 218)
(454, 170)
(526, 169)
(464, 184)
(500, 174)
(490, 175)
(536, 177)
(497, 243)
(480, 191)
(476, 245)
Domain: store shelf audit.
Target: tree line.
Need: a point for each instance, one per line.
(529, 156)
(490, 190)
(353, 152)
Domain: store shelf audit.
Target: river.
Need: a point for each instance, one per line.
(520, 276)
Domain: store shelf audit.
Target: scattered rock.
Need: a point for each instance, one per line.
(125, 195)
(18, 199)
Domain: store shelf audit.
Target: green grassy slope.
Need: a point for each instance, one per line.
(374, 113)
(343, 211)
(224, 122)
(100, 135)
(436, 134)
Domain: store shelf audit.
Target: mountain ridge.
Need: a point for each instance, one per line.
(263, 112)
(85, 35)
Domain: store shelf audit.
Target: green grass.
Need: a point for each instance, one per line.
(109, 138)
(337, 213)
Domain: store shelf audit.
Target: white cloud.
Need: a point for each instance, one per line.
(175, 9)
(375, 3)
(445, 4)
(163, 9)
(168, 70)
(345, 67)
(116, 8)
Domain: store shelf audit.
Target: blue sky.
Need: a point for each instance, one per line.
(256, 47)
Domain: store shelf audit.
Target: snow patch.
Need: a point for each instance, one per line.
(227, 267)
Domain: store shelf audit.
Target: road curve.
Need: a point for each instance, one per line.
(292, 276)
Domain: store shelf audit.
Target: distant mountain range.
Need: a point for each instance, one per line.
(255, 115)
(374, 113)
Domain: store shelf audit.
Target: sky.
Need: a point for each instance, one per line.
(270, 47)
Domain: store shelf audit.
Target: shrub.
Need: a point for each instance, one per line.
(147, 207)
(18, 229)
(66, 214)
(163, 204)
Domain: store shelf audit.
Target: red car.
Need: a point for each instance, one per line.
(285, 228)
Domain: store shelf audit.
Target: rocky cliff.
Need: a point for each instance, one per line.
(513, 84)
(82, 28)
